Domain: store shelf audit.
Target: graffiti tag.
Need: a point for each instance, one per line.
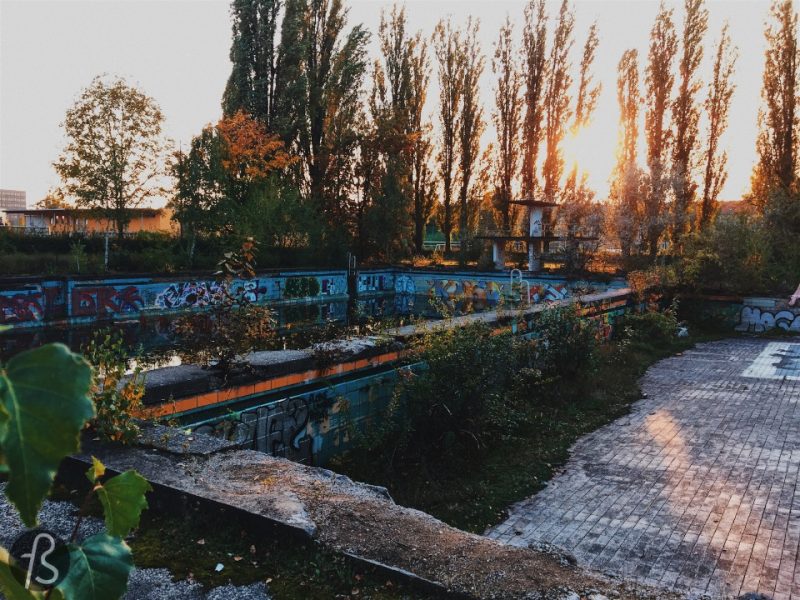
(754, 320)
(105, 301)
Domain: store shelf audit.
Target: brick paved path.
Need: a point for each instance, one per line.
(695, 490)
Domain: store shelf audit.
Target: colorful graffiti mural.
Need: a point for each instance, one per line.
(280, 429)
(490, 292)
(448, 290)
(404, 284)
(549, 293)
(189, 294)
(33, 304)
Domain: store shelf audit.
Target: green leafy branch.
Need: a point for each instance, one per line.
(44, 406)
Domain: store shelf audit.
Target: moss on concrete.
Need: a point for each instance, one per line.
(193, 546)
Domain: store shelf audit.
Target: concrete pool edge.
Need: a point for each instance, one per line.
(356, 520)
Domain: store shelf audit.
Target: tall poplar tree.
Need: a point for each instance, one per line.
(558, 109)
(778, 118)
(396, 108)
(534, 57)
(588, 92)
(407, 68)
(423, 185)
(251, 85)
(717, 106)
(321, 68)
(659, 80)
(578, 215)
(447, 43)
(628, 186)
(507, 119)
(686, 118)
(471, 126)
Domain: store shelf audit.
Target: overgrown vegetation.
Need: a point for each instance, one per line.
(117, 394)
(749, 253)
(234, 325)
(494, 415)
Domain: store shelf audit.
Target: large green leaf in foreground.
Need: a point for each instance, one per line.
(123, 501)
(99, 569)
(45, 393)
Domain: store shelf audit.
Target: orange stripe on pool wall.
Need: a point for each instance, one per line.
(226, 395)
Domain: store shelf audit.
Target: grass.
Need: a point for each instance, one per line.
(474, 495)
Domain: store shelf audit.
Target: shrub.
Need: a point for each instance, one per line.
(117, 397)
(654, 327)
(455, 401)
(233, 326)
(730, 257)
(566, 344)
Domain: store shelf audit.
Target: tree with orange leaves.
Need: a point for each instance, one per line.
(250, 153)
(229, 166)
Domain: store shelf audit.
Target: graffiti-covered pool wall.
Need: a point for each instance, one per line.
(31, 303)
(67, 301)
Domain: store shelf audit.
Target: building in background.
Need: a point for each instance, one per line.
(12, 200)
(47, 221)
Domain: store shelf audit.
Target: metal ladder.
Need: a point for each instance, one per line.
(521, 282)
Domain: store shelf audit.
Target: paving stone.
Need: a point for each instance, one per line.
(697, 489)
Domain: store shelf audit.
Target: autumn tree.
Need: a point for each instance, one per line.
(778, 118)
(249, 153)
(251, 85)
(686, 118)
(558, 109)
(717, 106)
(227, 167)
(471, 126)
(53, 199)
(659, 80)
(628, 186)
(447, 44)
(588, 91)
(534, 56)
(507, 118)
(115, 153)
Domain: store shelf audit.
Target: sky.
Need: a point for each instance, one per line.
(177, 52)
